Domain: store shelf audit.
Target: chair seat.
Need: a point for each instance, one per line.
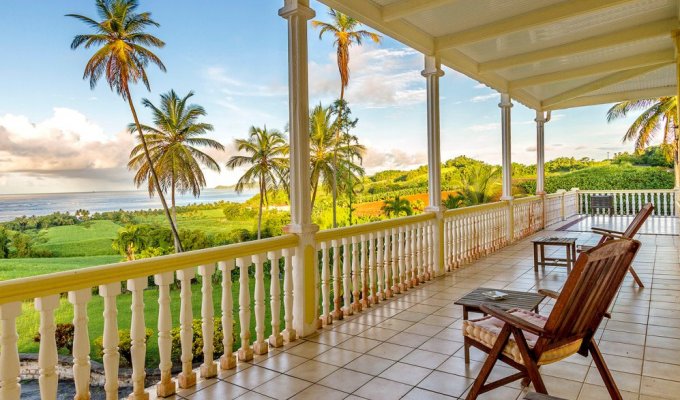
(486, 330)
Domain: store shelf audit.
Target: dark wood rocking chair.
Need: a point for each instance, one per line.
(629, 233)
(525, 340)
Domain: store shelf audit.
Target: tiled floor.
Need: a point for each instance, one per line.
(410, 347)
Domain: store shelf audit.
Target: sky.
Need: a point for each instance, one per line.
(58, 135)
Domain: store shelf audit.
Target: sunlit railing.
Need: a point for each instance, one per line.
(166, 271)
(629, 202)
(364, 264)
(472, 232)
(527, 216)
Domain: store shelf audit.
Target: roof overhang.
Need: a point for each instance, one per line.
(548, 54)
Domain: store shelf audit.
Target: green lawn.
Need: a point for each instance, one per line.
(28, 322)
(87, 239)
(13, 268)
(209, 221)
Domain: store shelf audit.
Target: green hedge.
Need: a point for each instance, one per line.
(607, 178)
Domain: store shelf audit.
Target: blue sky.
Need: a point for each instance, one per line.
(58, 135)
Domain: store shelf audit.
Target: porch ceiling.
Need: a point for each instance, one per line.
(548, 54)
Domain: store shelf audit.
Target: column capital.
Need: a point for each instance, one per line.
(506, 101)
(540, 117)
(299, 229)
(298, 8)
(433, 67)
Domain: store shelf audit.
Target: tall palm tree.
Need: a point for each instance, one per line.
(122, 58)
(478, 184)
(397, 206)
(346, 32)
(323, 147)
(267, 152)
(173, 143)
(657, 115)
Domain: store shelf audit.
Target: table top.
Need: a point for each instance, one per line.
(515, 299)
(554, 240)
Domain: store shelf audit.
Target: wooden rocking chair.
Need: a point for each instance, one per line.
(629, 233)
(525, 340)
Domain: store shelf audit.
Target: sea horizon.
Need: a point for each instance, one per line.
(36, 204)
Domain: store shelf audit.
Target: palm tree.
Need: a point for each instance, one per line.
(478, 184)
(173, 143)
(122, 58)
(346, 33)
(658, 115)
(267, 152)
(397, 206)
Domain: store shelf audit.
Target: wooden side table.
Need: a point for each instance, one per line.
(539, 252)
(515, 299)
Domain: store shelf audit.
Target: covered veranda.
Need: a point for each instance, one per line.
(365, 308)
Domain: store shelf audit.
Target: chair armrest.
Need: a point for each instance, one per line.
(597, 229)
(513, 320)
(549, 293)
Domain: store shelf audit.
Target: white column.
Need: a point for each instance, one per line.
(432, 73)
(540, 152)
(297, 12)
(506, 106)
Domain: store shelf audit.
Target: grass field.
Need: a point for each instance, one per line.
(28, 322)
(13, 268)
(87, 239)
(209, 221)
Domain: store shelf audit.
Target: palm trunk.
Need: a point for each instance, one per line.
(314, 187)
(335, 156)
(259, 216)
(174, 208)
(154, 176)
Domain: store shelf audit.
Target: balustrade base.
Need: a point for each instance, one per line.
(276, 340)
(261, 348)
(186, 379)
(138, 396)
(208, 370)
(289, 335)
(227, 361)
(338, 314)
(163, 389)
(245, 354)
(326, 320)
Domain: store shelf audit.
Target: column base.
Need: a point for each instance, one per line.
(208, 370)
(260, 348)
(337, 313)
(276, 340)
(186, 380)
(388, 293)
(227, 361)
(326, 320)
(289, 335)
(245, 354)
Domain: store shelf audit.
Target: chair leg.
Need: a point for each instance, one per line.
(604, 371)
(491, 359)
(529, 363)
(635, 276)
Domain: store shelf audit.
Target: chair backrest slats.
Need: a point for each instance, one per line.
(638, 221)
(589, 291)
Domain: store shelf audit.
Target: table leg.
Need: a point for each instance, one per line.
(542, 258)
(568, 249)
(466, 345)
(535, 257)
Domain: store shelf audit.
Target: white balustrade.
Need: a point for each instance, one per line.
(47, 356)
(228, 359)
(166, 387)
(629, 202)
(110, 341)
(138, 337)
(209, 367)
(9, 353)
(275, 339)
(81, 343)
(260, 346)
(187, 378)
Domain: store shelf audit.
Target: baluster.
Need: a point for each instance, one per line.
(228, 359)
(260, 346)
(47, 356)
(289, 333)
(337, 281)
(380, 265)
(425, 253)
(409, 260)
(245, 353)
(346, 277)
(403, 285)
(10, 388)
(415, 258)
(81, 343)
(325, 286)
(373, 297)
(166, 387)
(187, 378)
(363, 270)
(209, 367)
(275, 339)
(111, 357)
(396, 268)
(387, 263)
(138, 337)
(356, 289)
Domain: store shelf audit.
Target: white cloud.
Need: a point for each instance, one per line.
(379, 78)
(489, 127)
(234, 87)
(376, 160)
(485, 97)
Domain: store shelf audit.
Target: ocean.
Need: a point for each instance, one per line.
(17, 205)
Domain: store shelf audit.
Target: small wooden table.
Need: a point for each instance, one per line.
(515, 299)
(539, 252)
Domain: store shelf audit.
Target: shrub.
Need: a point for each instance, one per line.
(197, 347)
(63, 335)
(124, 345)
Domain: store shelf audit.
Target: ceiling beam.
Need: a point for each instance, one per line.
(598, 84)
(641, 32)
(371, 15)
(662, 57)
(614, 97)
(404, 8)
(541, 16)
